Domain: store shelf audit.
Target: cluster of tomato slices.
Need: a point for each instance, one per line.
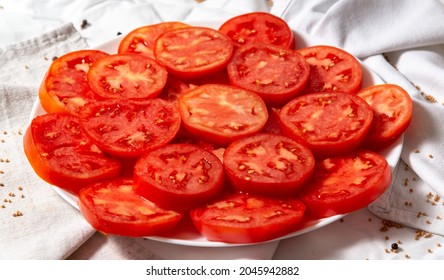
(234, 127)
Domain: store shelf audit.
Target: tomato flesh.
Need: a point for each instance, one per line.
(276, 74)
(65, 88)
(328, 123)
(242, 218)
(268, 164)
(179, 176)
(141, 40)
(332, 69)
(129, 128)
(347, 183)
(112, 207)
(392, 107)
(62, 155)
(127, 76)
(193, 52)
(222, 114)
(258, 27)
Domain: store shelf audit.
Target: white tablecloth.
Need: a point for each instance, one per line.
(38, 224)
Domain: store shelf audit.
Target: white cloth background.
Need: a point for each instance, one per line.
(33, 31)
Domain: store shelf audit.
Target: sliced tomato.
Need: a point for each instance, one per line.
(141, 40)
(65, 88)
(62, 155)
(328, 123)
(268, 164)
(346, 183)
(193, 52)
(275, 73)
(332, 69)
(129, 128)
(127, 76)
(222, 114)
(258, 27)
(112, 207)
(243, 218)
(178, 176)
(392, 107)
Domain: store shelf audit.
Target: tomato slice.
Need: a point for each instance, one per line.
(129, 128)
(346, 183)
(222, 114)
(141, 40)
(243, 218)
(113, 207)
(178, 176)
(328, 123)
(332, 69)
(127, 76)
(193, 52)
(65, 88)
(392, 107)
(268, 164)
(258, 27)
(275, 73)
(62, 155)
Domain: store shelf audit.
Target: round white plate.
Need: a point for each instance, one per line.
(186, 234)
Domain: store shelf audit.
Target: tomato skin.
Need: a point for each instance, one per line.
(129, 128)
(222, 114)
(127, 76)
(392, 107)
(141, 40)
(346, 183)
(179, 176)
(243, 218)
(65, 88)
(62, 155)
(268, 164)
(274, 73)
(112, 207)
(258, 27)
(193, 52)
(328, 123)
(332, 70)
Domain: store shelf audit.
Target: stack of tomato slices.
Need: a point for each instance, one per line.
(235, 128)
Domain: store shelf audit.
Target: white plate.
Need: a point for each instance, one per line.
(186, 234)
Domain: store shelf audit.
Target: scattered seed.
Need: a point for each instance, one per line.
(430, 156)
(407, 256)
(430, 250)
(17, 214)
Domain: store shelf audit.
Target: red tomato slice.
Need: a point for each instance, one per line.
(222, 114)
(178, 176)
(193, 52)
(268, 164)
(65, 88)
(141, 40)
(346, 183)
(62, 155)
(127, 76)
(129, 128)
(113, 207)
(258, 27)
(242, 218)
(275, 73)
(328, 123)
(332, 69)
(392, 107)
